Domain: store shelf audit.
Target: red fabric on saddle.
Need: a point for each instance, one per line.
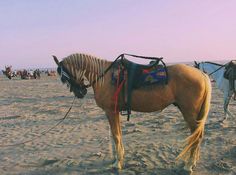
(118, 89)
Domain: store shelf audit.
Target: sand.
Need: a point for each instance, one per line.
(82, 143)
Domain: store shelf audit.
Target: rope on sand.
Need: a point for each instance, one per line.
(44, 132)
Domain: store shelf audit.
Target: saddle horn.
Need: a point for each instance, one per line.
(55, 59)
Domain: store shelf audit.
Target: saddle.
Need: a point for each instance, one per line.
(128, 76)
(141, 75)
(230, 73)
(230, 70)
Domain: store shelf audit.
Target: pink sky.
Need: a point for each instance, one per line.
(179, 31)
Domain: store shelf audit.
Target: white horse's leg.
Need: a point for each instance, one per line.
(227, 97)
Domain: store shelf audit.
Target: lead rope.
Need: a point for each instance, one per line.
(44, 132)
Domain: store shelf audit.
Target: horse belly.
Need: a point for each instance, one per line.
(151, 101)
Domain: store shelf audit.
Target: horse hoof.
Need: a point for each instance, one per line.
(116, 165)
(222, 121)
(183, 172)
(186, 172)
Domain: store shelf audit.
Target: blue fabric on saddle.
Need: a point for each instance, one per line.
(150, 77)
(137, 76)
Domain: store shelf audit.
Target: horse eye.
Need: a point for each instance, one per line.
(63, 80)
(59, 70)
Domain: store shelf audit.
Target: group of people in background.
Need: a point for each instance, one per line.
(26, 74)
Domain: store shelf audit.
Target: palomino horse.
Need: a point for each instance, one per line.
(188, 88)
(217, 72)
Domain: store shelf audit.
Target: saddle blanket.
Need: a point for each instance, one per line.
(145, 78)
(149, 77)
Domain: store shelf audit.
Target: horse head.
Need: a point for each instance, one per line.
(76, 86)
(199, 66)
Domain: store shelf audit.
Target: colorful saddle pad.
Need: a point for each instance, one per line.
(151, 77)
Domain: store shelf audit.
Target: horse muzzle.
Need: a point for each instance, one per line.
(79, 91)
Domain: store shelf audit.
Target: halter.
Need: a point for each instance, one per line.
(79, 90)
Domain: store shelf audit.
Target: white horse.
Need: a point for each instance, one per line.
(216, 71)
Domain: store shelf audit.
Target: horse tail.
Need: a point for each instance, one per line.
(192, 143)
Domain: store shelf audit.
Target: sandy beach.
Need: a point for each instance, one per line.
(82, 143)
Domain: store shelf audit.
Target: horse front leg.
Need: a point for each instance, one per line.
(114, 121)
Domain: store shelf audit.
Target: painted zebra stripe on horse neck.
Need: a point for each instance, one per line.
(82, 64)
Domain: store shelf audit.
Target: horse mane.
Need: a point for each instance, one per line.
(79, 64)
(213, 63)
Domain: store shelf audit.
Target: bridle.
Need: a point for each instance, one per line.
(79, 90)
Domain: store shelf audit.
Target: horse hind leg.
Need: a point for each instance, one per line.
(194, 151)
(226, 111)
(227, 98)
(196, 119)
(191, 151)
(114, 121)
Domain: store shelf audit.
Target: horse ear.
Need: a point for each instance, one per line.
(55, 59)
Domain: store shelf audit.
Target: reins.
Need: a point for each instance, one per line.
(104, 73)
(218, 69)
(44, 132)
